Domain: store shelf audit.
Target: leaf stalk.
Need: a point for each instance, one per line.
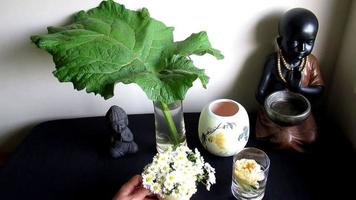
(172, 127)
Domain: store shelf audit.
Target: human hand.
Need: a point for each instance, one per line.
(133, 190)
(294, 78)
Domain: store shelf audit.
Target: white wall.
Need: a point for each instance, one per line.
(342, 100)
(243, 30)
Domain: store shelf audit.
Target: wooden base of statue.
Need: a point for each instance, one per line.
(286, 137)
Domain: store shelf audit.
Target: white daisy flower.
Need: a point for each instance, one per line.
(177, 172)
(155, 188)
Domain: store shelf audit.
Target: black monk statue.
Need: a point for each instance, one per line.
(292, 68)
(122, 139)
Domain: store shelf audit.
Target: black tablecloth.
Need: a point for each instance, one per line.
(69, 159)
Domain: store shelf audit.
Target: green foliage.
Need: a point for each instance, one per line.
(111, 44)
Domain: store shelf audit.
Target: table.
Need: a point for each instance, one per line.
(69, 159)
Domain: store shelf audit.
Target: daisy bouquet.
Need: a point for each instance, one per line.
(175, 173)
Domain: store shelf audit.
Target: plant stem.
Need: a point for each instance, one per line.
(172, 127)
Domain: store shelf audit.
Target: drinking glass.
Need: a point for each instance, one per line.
(249, 174)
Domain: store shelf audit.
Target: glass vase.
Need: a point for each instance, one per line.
(169, 123)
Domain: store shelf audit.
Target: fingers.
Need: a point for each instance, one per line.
(141, 193)
(133, 190)
(152, 198)
(128, 187)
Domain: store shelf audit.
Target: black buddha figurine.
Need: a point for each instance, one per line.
(292, 68)
(122, 139)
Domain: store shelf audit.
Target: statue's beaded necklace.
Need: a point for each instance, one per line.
(287, 66)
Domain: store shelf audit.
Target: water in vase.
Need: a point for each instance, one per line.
(164, 137)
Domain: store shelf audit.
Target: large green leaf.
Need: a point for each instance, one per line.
(111, 44)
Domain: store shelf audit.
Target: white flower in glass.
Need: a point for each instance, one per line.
(248, 172)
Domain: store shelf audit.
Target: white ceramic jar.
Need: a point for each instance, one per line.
(224, 127)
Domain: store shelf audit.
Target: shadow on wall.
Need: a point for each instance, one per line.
(246, 82)
(331, 51)
(25, 52)
(339, 16)
(26, 62)
(23, 65)
(14, 137)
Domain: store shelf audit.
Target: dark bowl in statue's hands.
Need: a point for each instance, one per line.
(287, 108)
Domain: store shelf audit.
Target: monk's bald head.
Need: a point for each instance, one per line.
(298, 20)
(298, 28)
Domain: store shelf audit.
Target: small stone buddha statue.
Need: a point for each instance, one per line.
(292, 68)
(122, 139)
